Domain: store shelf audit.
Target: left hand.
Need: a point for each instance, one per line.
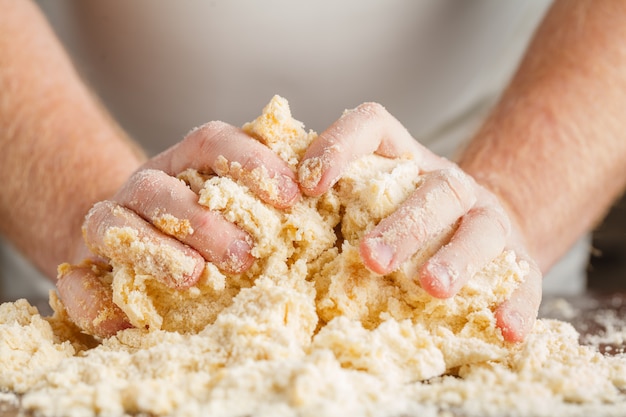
(446, 196)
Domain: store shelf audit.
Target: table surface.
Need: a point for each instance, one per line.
(595, 316)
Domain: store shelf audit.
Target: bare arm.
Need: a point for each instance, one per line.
(59, 152)
(554, 147)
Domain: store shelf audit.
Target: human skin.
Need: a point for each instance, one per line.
(61, 153)
(541, 172)
(49, 128)
(51, 124)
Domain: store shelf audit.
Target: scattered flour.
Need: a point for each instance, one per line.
(308, 330)
(613, 331)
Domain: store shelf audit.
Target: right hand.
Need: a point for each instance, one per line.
(153, 191)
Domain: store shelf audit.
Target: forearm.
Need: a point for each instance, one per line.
(554, 147)
(59, 152)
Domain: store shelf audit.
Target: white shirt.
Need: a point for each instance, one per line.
(163, 67)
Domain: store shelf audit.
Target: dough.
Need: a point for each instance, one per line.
(308, 330)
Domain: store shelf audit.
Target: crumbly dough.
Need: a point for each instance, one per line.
(308, 330)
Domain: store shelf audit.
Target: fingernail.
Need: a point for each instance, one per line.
(442, 278)
(513, 326)
(289, 190)
(382, 254)
(310, 172)
(238, 257)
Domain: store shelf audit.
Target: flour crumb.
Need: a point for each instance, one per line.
(173, 226)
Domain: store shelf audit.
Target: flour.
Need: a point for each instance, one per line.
(612, 334)
(308, 330)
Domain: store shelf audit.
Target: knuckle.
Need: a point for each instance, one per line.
(206, 221)
(146, 180)
(102, 216)
(372, 109)
(209, 130)
(142, 188)
(460, 184)
(97, 215)
(454, 176)
(252, 159)
(496, 215)
(368, 112)
(417, 227)
(101, 209)
(202, 140)
(502, 219)
(332, 139)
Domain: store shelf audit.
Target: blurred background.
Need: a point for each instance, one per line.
(607, 265)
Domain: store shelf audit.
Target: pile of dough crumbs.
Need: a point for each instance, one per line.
(308, 330)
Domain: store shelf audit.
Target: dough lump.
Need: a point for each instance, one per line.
(310, 253)
(308, 330)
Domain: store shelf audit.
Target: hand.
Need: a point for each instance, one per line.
(151, 199)
(446, 196)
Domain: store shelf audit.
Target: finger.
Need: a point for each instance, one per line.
(480, 237)
(442, 198)
(223, 149)
(119, 234)
(516, 316)
(89, 301)
(366, 129)
(173, 208)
